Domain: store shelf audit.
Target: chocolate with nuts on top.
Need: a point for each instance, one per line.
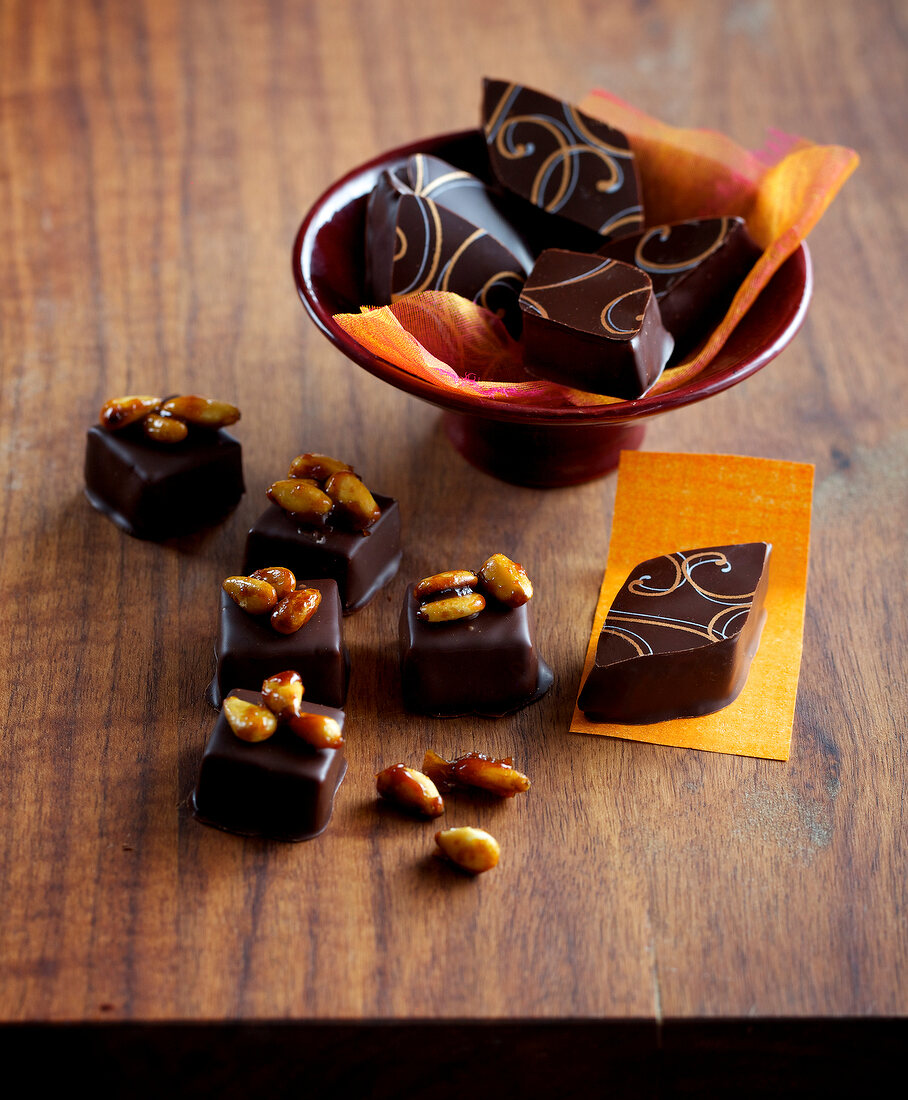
(360, 563)
(281, 787)
(593, 324)
(324, 522)
(679, 637)
(478, 656)
(560, 159)
(156, 489)
(248, 649)
(696, 267)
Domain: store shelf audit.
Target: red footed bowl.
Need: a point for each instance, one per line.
(544, 447)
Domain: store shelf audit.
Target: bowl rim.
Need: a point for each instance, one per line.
(340, 193)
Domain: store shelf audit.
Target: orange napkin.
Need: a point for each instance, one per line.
(781, 190)
(668, 502)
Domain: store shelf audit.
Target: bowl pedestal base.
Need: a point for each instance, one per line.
(543, 456)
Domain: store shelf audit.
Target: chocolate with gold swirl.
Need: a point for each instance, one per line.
(695, 266)
(439, 228)
(593, 324)
(679, 637)
(560, 159)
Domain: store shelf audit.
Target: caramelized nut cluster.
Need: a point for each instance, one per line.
(274, 590)
(475, 769)
(446, 597)
(283, 693)
(167, 420)
(318, 485)
(418, 792)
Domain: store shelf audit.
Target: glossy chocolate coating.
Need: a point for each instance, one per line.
(696, 268)
(414, 243)
(361, 563)
(560, 159)
(249, 650)
(159, 490)
(485, 665)
(679, 637)
(468, 197)
(281, 788)
(592, 323)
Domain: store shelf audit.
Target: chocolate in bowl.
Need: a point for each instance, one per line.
(526, 445)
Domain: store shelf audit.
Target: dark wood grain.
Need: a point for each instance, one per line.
(155, 161)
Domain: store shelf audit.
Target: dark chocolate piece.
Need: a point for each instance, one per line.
(560, 159)
(487, 664)
(159, 490)
(593, 324)
(249, 649)
(280, 788)
(436, 249)
(360, 562)
(680, 635)
(468, 197)
(696, 268)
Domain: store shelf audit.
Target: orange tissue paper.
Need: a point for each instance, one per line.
(669, 502)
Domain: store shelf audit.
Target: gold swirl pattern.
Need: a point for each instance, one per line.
(605, 317)
(434, 271)
(400, 244)
(721, 625)
(434, 240)
(499, 279)
(676, 266)
(573, 139)
(425, 187)
(459, 251)
(602, 267)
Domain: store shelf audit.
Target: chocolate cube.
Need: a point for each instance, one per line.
(157, 491)
(280, 788)
(361, 562)
(486, 665)
(249, 649)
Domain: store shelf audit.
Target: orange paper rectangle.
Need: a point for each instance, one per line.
(669, 502)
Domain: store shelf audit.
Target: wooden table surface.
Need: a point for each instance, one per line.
(156, 159)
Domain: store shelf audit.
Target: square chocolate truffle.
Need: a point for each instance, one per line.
(361, 562)
(249, 649)
(158, 490)
(486, 665)
(281, 788)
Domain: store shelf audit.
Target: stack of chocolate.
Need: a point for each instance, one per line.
(604, 315)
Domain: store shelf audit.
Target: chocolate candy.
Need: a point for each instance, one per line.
(156, 490)
(487, 664)
(449, 187)
(593, 324)
(360, 562)
(695, 266)
(680, 635)
(561, 160)
(249, 649)
(280, 788)
(442, 233)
